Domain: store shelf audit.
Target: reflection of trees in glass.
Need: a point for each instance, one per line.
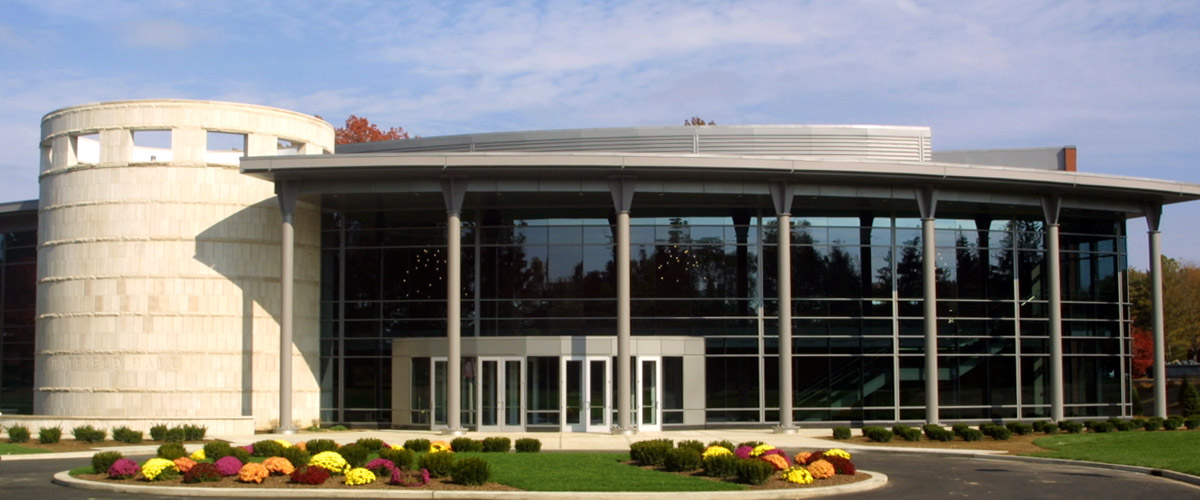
(682, 267)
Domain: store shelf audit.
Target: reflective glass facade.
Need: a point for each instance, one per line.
(545, 266)
(18, 283)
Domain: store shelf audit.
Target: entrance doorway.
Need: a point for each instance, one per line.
(586, 398)
(647, 393)
(501, 401)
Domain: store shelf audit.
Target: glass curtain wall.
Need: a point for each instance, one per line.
(710, 271)
(18, 281)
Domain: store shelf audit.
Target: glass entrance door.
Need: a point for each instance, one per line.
(467, 396)
(501, 405)
(587, 399)
(648, 393)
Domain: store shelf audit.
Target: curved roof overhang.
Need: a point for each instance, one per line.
(378, 173)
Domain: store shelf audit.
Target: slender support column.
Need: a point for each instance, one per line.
(287, 192)
(927, 202)
(1153, 214)
(782, 194)
(1050, 207)
(622, 192)
(454, 189)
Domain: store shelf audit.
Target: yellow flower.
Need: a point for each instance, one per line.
(198, 455)
(713, 451)
(330, 460)
(837, 452)
(760, 449)
(155, 467)
(397, 447)
(439, 446)
(283, 443)
(359, 476)
(797, 475)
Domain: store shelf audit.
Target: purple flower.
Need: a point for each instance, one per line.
(381, 464)
(249, 448)
(229, 466)
(408, 478)
(743, 452)
(123, 468)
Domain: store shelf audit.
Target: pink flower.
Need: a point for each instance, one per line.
(743, 452)
(123, 468)
(229, 466)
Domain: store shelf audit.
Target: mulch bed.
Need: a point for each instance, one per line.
(335, 482)
(775, 483)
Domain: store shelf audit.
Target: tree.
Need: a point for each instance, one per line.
(696, 121)
(1143, 352)
(362, 130)
(1181, 306)
(1189, 399)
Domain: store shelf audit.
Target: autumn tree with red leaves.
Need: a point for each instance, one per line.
(362, 130)
(1143, 352)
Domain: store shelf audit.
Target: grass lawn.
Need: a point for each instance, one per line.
(587, 472)
(1173, 450)
(16, 449)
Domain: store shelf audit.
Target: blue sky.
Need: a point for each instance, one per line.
(1120, 80)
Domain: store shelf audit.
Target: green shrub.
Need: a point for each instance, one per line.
(1045, 427)
(1123, 425)
(693, 444)
(1104, 427)
(158, 432)
(472, 471)
(528, 445)
(497, 445)
(1020, 428)
(959, 428)
(438, 464)
(937, 433)
(1172, 423)
(174, 435)
(754, 471)
(296, 456)
(49, 435)
(267, 448)
(338, 427)
(1153, 424)
(997, 432)
(103, 460)
(465, 445)
(1189, 399)
(724, 443)
(402, 458)
(194, 432)
(126, 435)
(355, 454)
(906, 433)
(18, 434)
(721, 466)
(751, 444)
(1192, 423)
(877, 434)
(217, 450)
(417, 445)
(652, 452)
(970, 434)
(682, 460)
(315, 446)
(240, 453)
(841, 432)
(1072, 427)
(1091, 424)
(373, 444)
(171, 451)
(89, 434)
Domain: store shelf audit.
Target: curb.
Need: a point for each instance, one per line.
(1163, 473)
(876, 480)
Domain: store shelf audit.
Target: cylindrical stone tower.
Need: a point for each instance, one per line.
(158, 265)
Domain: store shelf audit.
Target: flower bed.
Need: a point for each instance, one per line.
(723, 462)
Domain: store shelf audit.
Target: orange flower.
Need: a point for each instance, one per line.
(253, 473)
(184, 464)
(821, 469)
(278, 465)
(778, 461)
(802, 457)
(302, 445)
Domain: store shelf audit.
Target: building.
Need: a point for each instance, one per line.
(584, 280)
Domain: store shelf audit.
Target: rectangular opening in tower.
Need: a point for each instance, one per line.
(226, 148)
(151, 146)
